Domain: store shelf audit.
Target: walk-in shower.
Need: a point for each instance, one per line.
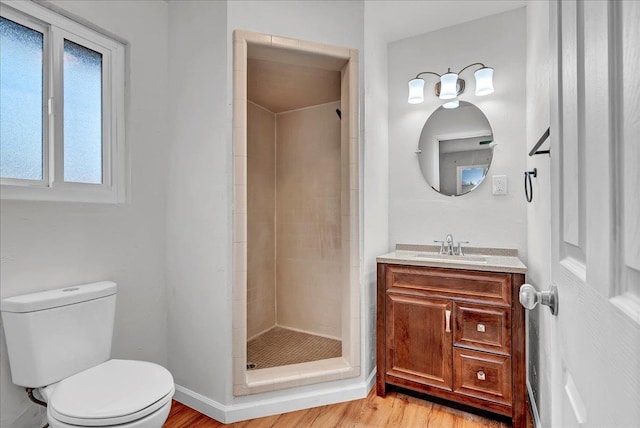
(296, 223)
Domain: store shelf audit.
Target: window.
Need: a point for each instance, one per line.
(61, 108)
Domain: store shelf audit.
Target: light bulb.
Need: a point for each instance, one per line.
(451, 104)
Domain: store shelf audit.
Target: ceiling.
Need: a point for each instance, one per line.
(395, 20)
(280, 87)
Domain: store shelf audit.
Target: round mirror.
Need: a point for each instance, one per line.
(455, 149)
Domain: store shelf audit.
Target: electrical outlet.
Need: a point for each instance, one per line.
(499, 184)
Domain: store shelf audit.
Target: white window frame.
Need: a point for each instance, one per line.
(56, 28)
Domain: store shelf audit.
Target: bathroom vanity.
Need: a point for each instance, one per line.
(452, 327)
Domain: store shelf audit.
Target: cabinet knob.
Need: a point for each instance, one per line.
(481, 375)
(480, 328)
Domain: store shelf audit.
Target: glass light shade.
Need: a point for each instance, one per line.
(451, 104)
(416, 91)
(484, 81)
(448, 86)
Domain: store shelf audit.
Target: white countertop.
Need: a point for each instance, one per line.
(483, 259)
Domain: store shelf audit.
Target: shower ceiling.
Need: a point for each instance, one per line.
(283, 87)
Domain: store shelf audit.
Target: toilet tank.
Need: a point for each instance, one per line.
(54, 334)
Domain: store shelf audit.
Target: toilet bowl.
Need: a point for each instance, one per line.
(116, 393)
(59, 343)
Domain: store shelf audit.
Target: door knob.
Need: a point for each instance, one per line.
(530, 297)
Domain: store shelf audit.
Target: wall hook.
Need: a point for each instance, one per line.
(528, 187)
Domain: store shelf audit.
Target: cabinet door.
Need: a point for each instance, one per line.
(419, 341)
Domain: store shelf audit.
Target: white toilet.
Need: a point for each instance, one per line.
(59, 341)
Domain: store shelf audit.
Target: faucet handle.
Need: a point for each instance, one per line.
(441, 245)
(459, 252)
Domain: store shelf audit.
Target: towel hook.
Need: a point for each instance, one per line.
(528, 187)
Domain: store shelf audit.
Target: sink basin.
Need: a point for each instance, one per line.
(436, 257)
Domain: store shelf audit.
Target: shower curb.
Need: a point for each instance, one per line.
(271, 404)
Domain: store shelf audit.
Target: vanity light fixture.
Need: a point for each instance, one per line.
(450, 85)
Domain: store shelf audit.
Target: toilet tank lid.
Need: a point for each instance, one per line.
(60, 297)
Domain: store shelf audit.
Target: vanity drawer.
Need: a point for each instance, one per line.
(485, 328)
(482, 375)
(486, 287)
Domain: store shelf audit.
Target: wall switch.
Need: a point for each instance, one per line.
(499, 184)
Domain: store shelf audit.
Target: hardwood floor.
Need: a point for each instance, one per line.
(396, 410)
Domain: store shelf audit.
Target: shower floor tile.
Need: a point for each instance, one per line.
(280, 347)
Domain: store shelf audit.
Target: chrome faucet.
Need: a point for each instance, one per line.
(447, 247)
(449, 242)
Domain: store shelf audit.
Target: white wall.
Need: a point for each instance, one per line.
(199, 200)
(539, 210)
(417, 214)
(45, 245)
(375, 166)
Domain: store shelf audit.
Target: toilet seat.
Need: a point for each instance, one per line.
(113, 393)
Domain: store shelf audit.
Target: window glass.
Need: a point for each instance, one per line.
(82, 114)
(21, 103)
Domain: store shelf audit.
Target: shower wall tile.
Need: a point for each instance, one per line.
(240, 58)
(261, 311)
(310, 249)
(239, 143)
(240, 202)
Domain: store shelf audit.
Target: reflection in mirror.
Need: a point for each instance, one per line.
(455, 149)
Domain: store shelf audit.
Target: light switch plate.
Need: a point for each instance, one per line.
(499, 184)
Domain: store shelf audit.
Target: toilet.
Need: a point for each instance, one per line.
(59, 343)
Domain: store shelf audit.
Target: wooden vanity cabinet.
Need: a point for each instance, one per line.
(454, 334)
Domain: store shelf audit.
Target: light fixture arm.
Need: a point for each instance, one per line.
(440, 75)
(426, 72)
(471, 65)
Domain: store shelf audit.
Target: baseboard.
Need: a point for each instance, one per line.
(534, 407)
(371, 380)
(199, 402)
(275, 405)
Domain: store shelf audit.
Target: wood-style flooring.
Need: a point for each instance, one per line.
(396, 410)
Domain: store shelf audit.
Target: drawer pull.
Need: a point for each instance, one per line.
(480, 328)
(447, 317)
(481, 375)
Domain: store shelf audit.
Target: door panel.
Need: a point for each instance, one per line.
(595, 347)
(571, 151)
(419, 345)
(628, 184)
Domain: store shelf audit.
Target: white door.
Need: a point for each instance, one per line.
(595, 260)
